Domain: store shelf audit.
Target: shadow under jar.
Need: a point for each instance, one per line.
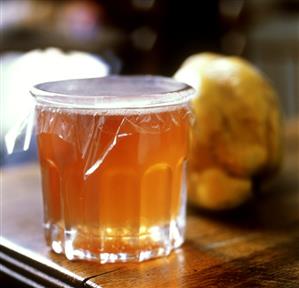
(112, 154)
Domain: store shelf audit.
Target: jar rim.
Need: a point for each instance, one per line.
(113, 92)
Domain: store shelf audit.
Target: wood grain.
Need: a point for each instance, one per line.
(255, 246)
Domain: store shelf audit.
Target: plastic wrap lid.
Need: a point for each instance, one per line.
(113, 92)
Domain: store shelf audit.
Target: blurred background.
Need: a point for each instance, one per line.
(44, 40)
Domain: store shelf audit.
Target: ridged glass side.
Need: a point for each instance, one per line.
(149, 227)
(114, 186)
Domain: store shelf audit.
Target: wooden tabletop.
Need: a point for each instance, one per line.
(257, 246)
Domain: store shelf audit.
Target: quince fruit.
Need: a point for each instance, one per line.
(236, 139)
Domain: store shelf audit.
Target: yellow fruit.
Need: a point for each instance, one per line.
(216, 190)
(237, 129)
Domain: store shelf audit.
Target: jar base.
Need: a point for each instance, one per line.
(158, 241)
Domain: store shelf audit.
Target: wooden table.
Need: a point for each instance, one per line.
(255, 247)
